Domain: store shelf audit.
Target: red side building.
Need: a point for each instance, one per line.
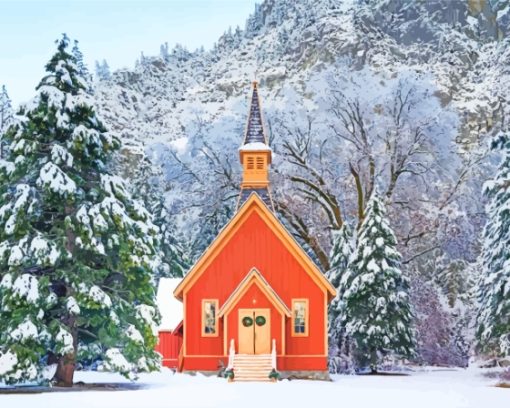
(170, 328)
(254, 293)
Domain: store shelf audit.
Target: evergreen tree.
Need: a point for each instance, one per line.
(376, 310)
(214, 218)
(340, 254)
(494, 287)
(339, 257)
(103, 70)
(75, 248)
(6, 116)
(149, 185)
(163, 51)
(83, 71)
(174, 260)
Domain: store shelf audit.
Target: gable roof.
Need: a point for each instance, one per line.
(254, 204)
(254, 277)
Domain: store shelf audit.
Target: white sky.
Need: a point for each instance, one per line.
(115, 30)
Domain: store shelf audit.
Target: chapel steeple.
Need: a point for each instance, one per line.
(255, 155)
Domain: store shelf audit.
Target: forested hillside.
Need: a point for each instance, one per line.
(402, 96)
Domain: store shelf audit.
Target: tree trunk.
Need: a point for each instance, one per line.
(67, 364)
(373, 361)
(361, 198)
(65, 370)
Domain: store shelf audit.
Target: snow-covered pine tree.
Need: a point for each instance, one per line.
(340, 254)
(174, 260)
(83, 71)
(339, 258)
(149, 185)
(163, 51)
(494, 287)
(76, 249)
(376, 310)
(103, 70)
(6, 116)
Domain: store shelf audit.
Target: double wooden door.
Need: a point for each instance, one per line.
(254, 331)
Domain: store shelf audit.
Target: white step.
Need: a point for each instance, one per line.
(252, 367)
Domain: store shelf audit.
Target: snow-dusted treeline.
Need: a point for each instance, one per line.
(402, 96)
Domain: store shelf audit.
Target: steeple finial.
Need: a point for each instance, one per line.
(254, 126)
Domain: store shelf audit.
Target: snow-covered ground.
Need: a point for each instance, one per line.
(430, 389)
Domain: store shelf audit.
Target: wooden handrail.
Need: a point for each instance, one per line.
(273, 355)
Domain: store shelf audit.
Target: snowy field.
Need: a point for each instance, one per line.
(430, 389)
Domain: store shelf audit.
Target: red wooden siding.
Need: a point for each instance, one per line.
(254, 244)
(169, 346)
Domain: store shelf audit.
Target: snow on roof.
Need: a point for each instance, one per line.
(169, 307)
(255, 146)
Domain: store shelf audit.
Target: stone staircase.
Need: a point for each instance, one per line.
(252, 367)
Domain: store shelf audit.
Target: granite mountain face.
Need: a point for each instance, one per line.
(401, 97)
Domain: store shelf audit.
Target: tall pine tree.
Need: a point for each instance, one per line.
(149, 185)
(83, 70)
(76, 249)
(494, 287)
(339, 258)
(376, 311)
